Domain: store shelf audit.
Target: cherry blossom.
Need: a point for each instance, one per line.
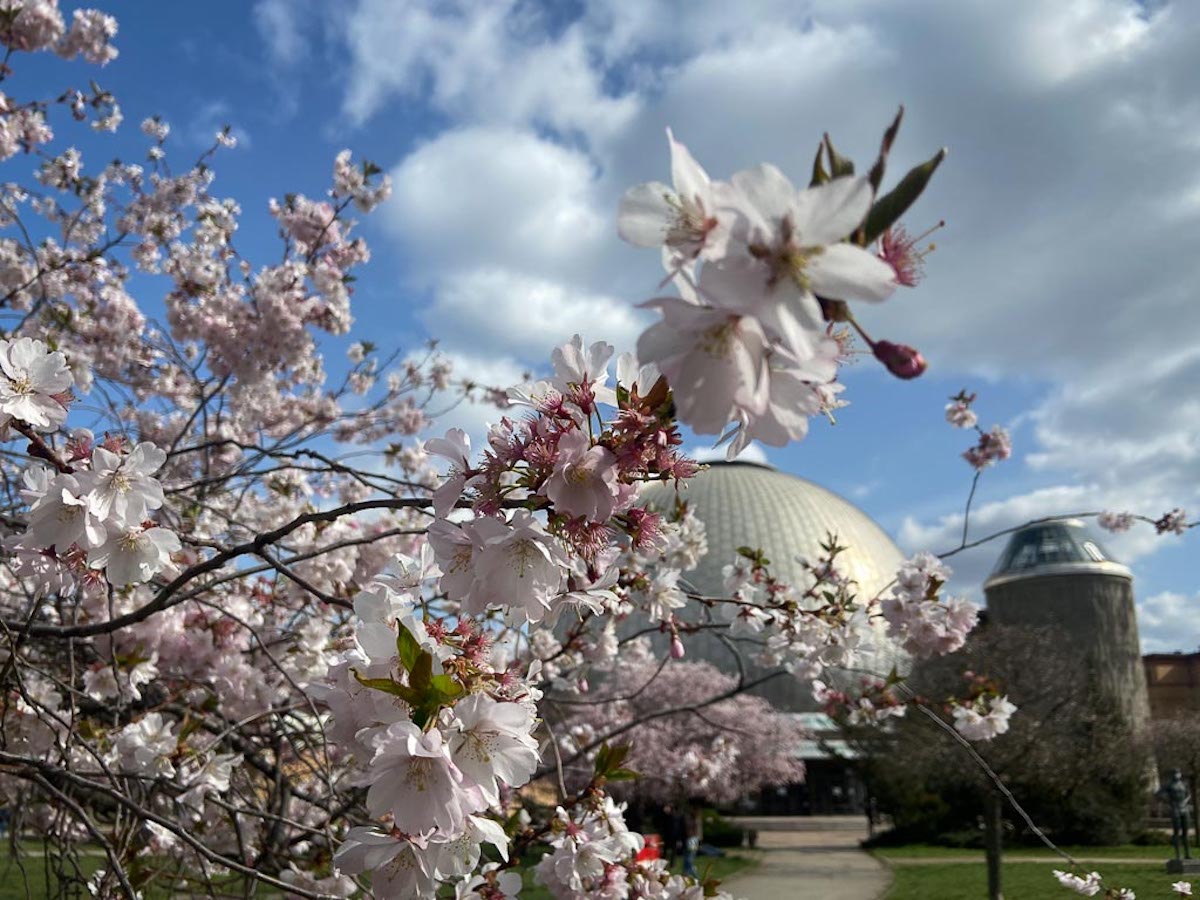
(984, 719)
(490, 743)
(584, 482)
(414, 779)
(689, 220)
(1115, 521)
(1088, 885)
(34, 378)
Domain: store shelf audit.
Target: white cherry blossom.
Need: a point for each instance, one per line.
(413, 779)
(134, 555)
(33, 374)
(123, 486)
(490, 742)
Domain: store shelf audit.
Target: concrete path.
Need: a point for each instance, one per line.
(811, 859)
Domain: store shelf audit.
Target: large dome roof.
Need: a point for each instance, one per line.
(787, 517)
(747, 504)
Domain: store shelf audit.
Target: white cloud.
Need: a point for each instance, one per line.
(753, 452)
(525, 316)
(1168, 622)
(450, 411)
(485, 195)
(483, 61)
(1070, 191)
(281, 23)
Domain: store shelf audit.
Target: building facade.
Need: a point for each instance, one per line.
(1173, 683)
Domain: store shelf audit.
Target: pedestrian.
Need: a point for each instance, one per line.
(693, 831)
(670, 832)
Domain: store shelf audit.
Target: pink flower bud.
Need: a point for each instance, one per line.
(677, 650)
(901, 360)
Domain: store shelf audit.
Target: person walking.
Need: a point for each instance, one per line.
(693, 831)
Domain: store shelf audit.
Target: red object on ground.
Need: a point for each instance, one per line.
(652, 849)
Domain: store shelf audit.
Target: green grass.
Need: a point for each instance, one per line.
(1021, 881)
(1124, 851)
(720, 867)
(32, 885)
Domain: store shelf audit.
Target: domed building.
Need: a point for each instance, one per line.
(788, 518)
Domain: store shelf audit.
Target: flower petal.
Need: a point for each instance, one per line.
(847, 272)
(691, 181)
(645, 214)
(829, 212)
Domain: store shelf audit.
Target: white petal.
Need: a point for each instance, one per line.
(829, 212)
(645, 214)
(691, 181)
(847, 272)
(767, 192)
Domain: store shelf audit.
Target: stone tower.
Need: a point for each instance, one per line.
(1055, 573)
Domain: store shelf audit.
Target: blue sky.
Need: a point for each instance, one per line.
(1062, 287)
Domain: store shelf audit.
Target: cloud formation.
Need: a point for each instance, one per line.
(1072, 193)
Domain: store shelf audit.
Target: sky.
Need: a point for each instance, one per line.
(1062, 290)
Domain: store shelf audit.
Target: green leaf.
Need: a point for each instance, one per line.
(446, 686)
(748, 552)
(838, 164)
(622, 775)
(889, 138)
(421, 673)
(892, 205)
(408, 648)
(819, 175)
(395, 688)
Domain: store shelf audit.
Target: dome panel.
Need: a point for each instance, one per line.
(787, 517)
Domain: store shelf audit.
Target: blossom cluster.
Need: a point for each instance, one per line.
(1091, 884)
(875, 702)
(593, 855)
(983, 718)
(763, 270)
(918, 618)
(89, 512)
(436, 733)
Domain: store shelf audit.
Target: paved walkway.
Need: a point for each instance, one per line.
(813, 858)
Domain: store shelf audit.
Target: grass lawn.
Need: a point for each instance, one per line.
(720, 867)
(14, 884)
(1124, 851)
(1021, 881)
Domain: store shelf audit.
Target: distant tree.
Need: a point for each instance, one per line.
(1079, 769)
(686, 747)
(1177, 746)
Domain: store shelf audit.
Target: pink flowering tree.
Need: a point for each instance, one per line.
(684, 744)
(233, 655)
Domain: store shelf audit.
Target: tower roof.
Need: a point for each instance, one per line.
(1054, 547)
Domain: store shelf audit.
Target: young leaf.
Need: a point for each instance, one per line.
(421, 673)
(895, 203)
(408, 648)
(819, 175)
(889, 137)
(838, 164)
(395, 688)
(446, 686)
